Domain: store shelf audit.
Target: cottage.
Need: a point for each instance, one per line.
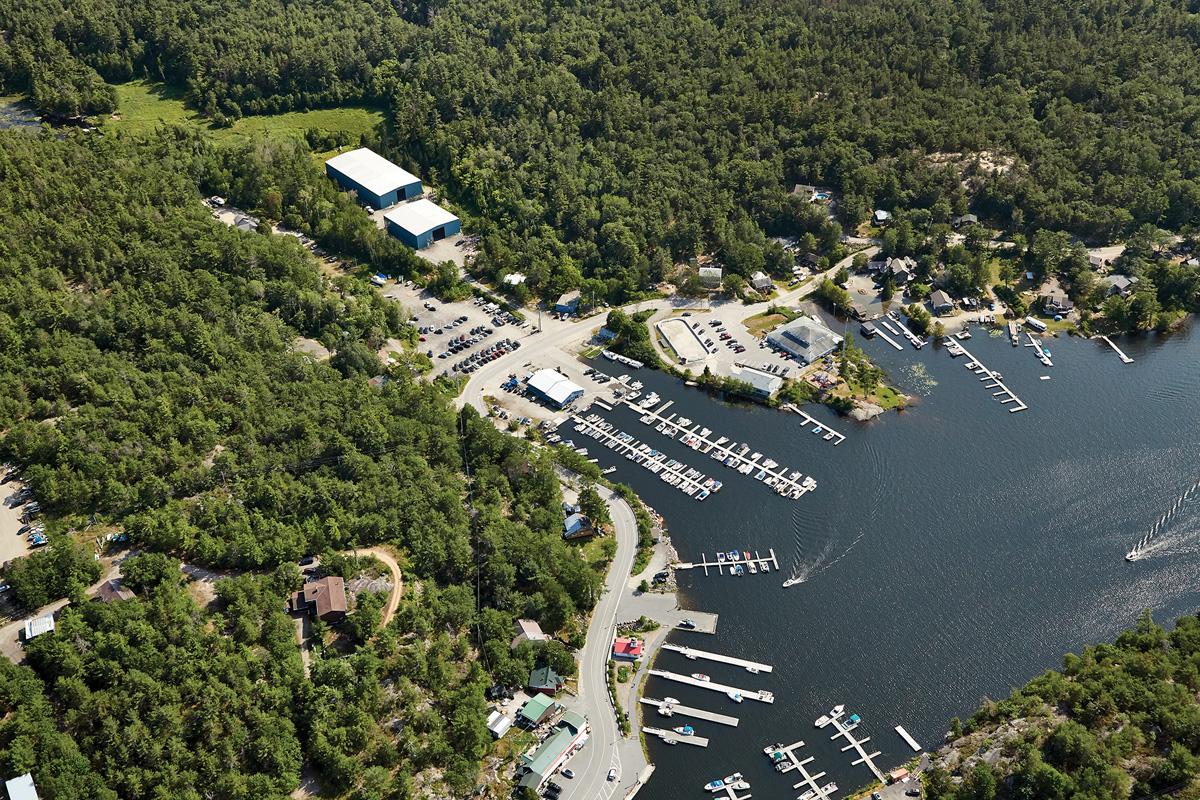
(1120, 284)
(940, 302)
(882, 217)
(324, 598)
(1096, 262)
(537, 710)
(577, 526)
(901, 270)
(527, 630)
(111, 592)
(1057, 303)
(544, 680)
(963, 220)
(627, 648)
(805, 192)
(711, 277)
(760, 282)
(809, 261)
(605, 335)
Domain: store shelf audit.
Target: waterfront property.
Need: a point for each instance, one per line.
(627, 648)
(806, 339)
(763, 384)
(940, 302)
(554, 387)
(538, 766)
(420, 223)
(375, 179)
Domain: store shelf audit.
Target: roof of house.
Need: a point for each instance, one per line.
(111, 592)
(940, 298)
(627, 646)
(568, 298)
(710, 272)
(1059, 298)
(325, 595)
(882, 215)
(577, 522)
(964, 218)
(21, 788)
(530, 628)
(553, 385)
(372, 171)
(513, 278)
(1121, 282)
(803, 189)
(419, 216)
(544, 677)
(763, 382)
(758, 279)
(537, 706)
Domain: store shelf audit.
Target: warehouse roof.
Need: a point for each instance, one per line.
(372, 171)
(553, 385)
(419, 216)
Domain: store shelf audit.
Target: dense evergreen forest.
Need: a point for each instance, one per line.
(598, 139)
(149, 380)
(1119, 721)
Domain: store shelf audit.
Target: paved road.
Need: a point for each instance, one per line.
(600, 754)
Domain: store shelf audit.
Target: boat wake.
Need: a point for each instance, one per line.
(1152, 542)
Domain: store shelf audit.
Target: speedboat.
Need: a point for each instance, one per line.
(809, 795)
(837, 711)
(684, 730)
(714, 786)
(775, 748)
(735, 697)
(828, 788)
(753, 568)
(700, 676)
(791, 582)
(670, 741)
(752, 670)
(1133, 555)
(671, 701)
(665, 711)
(720, 557)
(822, 721)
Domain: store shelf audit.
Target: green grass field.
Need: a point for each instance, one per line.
(146, 106)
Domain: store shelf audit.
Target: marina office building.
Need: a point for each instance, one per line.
(554, 387)
(806, 339)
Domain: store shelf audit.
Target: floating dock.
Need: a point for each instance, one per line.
(819, 427)
(694, 713)
(857, 744)
(693, 653)
(720, 565)
(1126, 359)
(908, 739)
(691, 482)
(885, 337)
(988, 375)
(602, 404)
(916, 341)
(761, 696)
(679, 738)
(806, 778)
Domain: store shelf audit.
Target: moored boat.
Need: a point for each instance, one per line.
(700, 676)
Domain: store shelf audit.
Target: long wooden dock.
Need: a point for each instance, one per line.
(694, 713)
(887, 338)
(720, 565)
(693, 653)
(911, 741)
(692, 482)
(795, 763)
(1126, 359)
(857, 744)
(698, 741)
(762, 696)
(988, 375)
(819, 427)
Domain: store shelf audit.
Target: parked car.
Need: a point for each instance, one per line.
(612, 774)
(566, 773)
(304, 562)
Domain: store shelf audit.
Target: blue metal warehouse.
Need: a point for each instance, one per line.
(378, 181)
(420, 223)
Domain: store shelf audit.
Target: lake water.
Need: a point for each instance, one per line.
(952, 551)
(18, 116)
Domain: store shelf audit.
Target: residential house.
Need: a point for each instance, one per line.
(940, 302)
(711, 277)
(1096, 262)
(963, 220)
(544, 680)
(324, 598)
(605, 335)
(568, 303)
(527, 630)
(882, 217)
(809, 261)
(805, 192)
(111, 592)
(1120, 284)
(760, 282)
(902, 270)
(1057, 303)
(577, 526)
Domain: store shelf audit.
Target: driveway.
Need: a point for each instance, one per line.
(397, 582)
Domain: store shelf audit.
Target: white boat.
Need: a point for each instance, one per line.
(822, 721)
(791, 582)
(684, 730)
(828, 788)
(714, 786)
(765, 566)
(741, 785)
(670, 741)
(1133, 555)
(752, 670)
(700, 676)
(735, 696)
(809, 795)
(665, 711)
(734, 778)
(753, 568)
(671, 701)
(774, 748)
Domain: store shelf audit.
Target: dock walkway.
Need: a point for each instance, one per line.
(694, 713)
(911, 741)
(693, 653)
(720, 565)
(1113, 345)
(864, 758)
(762, 696)
(887, 338)
(988, 375)
(819, 427)
(806, 776)
(679, 738)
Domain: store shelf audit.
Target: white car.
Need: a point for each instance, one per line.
(612, 774)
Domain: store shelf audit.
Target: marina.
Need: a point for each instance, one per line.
(786, 760)
(916, 341)
(910, 741)
(994, 377)
(692, 653)
(846, 729)
(675, 737)
(1042, 353)
(730, 785)
(735, 561)
(733, 692)
(674, 709)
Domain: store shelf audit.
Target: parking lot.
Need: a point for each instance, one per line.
(20, 531)
(730, 345)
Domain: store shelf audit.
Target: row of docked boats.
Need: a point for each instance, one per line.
(741, 561)
(784, 764)
(734, 781)
(691, 482)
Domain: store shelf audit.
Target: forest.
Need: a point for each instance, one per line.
(604, 141)
(150, 382)
(1119, 721)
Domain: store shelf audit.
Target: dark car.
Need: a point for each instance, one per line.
(304, 562)
(309, 570)
(566, 773)
(913, 793)
(554, 786)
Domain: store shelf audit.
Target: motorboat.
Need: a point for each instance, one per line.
(753, 568)
(837, 711)
(792, 582)
(700, 676)
(736, 697)
(774, 748)
(670, 741)
(752, 670)
(1133, 555)
(714, 786)
(720, 558)
(671, 701)
(829, 788)
(665, 711)
(684, 730)
(822, 721)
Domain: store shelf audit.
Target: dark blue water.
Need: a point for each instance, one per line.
(952, 552)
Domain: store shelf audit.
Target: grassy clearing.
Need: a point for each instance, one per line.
(147, 106)
(885, 396)
(760, 324)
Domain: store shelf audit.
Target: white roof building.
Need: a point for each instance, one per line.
(765, 384)
(513, 278)
(498, 724)
(555, 387)
(372, 171)
(420, 215)
(38, 626)
(21, 788)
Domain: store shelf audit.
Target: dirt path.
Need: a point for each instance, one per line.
(397, 582)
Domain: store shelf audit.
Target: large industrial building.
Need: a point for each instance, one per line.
(378, 181)
(554, 387)
(806, 339)
(420, 223)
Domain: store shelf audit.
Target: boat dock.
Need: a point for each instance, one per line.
(916, 341)
(883, 321)
(720, 565)
(693, 653)
(602, 404)
(1126, 359)
(1042, 355)
(857, 744)
(761, 696)
(818, 792)
(911, 741)
(678, 738)
(694, 713)
(830, 433)
(690, 434)
(993, 381)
